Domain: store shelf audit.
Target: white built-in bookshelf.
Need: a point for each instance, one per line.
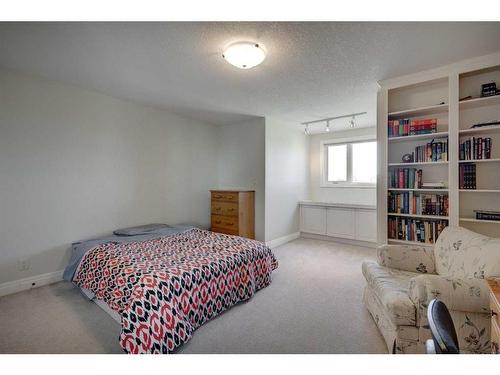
(452, 96)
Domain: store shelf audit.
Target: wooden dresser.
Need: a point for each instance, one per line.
(233, 212)
(495, 315)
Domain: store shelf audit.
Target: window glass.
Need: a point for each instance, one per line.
(364, 162)
(337, 163)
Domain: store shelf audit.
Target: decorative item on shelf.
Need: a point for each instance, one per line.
(483, 124)
(488, 89)
(407, 158)
(487, 215)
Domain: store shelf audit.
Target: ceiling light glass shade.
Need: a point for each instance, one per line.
(244, 55)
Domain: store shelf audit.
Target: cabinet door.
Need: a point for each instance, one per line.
(366, 225)
(313, 220)
(340, 222)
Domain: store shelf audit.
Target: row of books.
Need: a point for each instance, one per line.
(413, 203)
(467, 176)
(487, 215)
(405, 178)
(426, 231)
(404, 127)
(432, 151)
(475, 148)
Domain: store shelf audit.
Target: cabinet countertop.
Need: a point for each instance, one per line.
(340, 205)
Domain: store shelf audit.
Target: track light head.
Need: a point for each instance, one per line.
(327, 129)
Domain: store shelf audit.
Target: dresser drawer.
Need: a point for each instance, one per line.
(224, 196)
(224, 208)
(225, 222)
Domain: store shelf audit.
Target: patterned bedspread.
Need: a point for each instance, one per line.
(167, 287)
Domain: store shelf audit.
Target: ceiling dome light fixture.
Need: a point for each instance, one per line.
(244, 55)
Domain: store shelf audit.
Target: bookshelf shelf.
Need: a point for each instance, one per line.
(418, 163)
(418, 137)
(435, 217)
(391, 240)
(420, 111)
(472, 220)
(480, 161)
(480, 102)
(479, 191)
(422, 190)
(481, 130)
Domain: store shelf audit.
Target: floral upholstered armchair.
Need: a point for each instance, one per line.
(406, 278)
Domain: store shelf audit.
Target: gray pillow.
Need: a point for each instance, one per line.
(141, 229)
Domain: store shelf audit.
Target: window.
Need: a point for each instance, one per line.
(350, 163)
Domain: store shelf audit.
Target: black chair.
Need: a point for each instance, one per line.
(444, 337)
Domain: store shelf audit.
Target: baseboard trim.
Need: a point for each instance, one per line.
(338, 239)
(282, 240)
(16, 286)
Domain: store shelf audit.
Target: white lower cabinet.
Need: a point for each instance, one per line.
(366, 225)
(340, 222)
(313, 219)
(356, 223)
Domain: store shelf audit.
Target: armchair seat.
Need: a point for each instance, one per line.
(406, 278)
(391, 287)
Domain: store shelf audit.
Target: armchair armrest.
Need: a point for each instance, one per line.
(407, 258)
(468, 295)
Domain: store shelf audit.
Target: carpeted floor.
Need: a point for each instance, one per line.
(314, 305)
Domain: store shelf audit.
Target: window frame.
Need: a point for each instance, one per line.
(324, 162)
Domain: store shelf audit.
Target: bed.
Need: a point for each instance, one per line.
(162, 284)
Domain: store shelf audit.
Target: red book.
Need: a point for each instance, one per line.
(427, 121)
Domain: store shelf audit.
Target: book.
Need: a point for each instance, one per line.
(487, 215)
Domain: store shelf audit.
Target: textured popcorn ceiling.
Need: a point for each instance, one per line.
(312, 70)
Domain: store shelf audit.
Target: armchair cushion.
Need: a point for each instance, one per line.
(418, 259)
(461, 253)
(391, 288)
(468, 295)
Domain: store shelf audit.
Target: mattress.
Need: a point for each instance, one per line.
(103, 305)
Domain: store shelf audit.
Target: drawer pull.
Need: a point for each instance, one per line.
(218, 222)
(218, 196)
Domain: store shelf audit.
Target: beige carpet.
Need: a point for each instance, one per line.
(314, 305)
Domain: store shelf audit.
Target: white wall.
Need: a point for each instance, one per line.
(76, 164)
(241, 163)
(337, 195)
(287, 170)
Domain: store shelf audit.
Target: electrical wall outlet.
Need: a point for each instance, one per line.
(23, 264)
